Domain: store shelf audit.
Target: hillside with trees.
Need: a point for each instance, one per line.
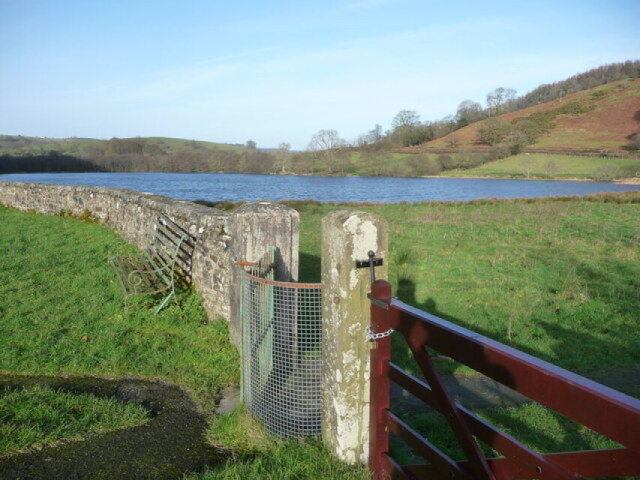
(600, 120)
(595, 113)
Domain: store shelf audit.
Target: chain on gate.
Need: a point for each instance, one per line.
(371, 263)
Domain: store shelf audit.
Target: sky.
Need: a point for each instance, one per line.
(279, 71)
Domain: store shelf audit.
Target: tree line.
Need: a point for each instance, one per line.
(407, 129)
(326, 153)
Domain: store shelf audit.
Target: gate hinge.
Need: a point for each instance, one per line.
(378, 303)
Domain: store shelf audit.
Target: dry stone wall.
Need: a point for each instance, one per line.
(132, 215)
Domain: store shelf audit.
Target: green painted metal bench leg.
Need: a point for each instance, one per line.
(165, 300)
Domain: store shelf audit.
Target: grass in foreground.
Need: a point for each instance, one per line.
(36, 416)
(556, 278)
(256, 455)
(62, 312)
(535, 426)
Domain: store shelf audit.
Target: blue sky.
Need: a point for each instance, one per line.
(280, 71)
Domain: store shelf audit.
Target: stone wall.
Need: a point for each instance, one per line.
(132, 215)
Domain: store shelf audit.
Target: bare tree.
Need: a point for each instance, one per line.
(325, 140)
(284, 155)
(528, 165)
(375, 135)
(497, 99)
(405, 118)
(468, 112)
(492, 131)
(326, 146)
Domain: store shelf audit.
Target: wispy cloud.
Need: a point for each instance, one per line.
(285, 83)
(367, 3)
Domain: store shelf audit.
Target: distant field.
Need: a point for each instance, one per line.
(558, 279)
(178, 144)
(536, 165)
(13, 144)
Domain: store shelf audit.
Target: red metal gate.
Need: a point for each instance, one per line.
(606, 411)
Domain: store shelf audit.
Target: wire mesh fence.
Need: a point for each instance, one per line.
(282, 349)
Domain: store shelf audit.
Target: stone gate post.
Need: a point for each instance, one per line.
(348, 236)
(255, 228)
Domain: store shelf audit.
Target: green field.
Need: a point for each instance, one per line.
(557, 278)
(536, 165)
(537, 427)
(62, 312)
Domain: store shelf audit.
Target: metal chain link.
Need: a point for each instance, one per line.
(371, 336)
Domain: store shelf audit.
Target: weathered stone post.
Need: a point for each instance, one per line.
(255, 228)
(348, 236)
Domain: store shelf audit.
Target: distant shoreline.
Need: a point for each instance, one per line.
(620, 181)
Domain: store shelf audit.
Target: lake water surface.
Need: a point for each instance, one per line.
(235, 187)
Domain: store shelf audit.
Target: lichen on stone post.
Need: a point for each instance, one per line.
(256, 228)
(347, 236)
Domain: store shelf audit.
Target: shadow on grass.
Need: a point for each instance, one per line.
(536, 426)
(309, 269)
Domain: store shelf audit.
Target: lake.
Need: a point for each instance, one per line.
(235, 187)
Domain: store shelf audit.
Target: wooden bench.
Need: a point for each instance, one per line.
(154, 270)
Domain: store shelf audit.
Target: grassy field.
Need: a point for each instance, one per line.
(536, 165)
(535, 426)
(257, 455)
(39, 415)
(559, 279)
(62, 312)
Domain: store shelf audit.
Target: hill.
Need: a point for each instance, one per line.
(19, 154)
(599, 120)
(18, 144)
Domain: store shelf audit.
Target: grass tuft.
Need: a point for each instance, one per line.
(36, 416)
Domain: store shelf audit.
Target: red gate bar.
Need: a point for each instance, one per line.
(380, 385)
(600, 408)
(589, 464)
(529, 460)
(607, 411)
(439, 461)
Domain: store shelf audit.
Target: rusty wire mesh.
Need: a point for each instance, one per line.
(282, 349)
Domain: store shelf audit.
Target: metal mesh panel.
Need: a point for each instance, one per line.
(281, 352)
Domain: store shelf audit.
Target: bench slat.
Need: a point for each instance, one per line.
(159, 268)
(144, 270)
(153, 271)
